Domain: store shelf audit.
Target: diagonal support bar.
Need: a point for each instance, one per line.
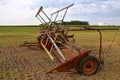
(63, 9)
(59, 52)
(51, 57)
(40, 9)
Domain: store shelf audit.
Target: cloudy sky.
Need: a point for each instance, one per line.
(15, 12)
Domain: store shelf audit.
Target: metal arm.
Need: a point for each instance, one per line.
(59, 52)
(63, 8)
(57, 12)
(38, 14)
(101, 54)
(41, 19)
(40, 9)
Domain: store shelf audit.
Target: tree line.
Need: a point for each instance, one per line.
(75, 23)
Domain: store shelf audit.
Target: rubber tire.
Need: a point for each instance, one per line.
(88, 66)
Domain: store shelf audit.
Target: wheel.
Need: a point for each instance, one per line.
(88, 66)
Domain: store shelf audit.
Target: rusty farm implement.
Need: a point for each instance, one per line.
(59, 45)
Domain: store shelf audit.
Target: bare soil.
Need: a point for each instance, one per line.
(25, 64)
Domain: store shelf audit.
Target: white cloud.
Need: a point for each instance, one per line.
(17, 12)
(97, 11)
(23, 11)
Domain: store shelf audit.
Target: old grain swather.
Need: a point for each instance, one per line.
(59, 45)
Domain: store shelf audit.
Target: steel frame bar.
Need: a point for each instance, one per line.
(69, 64)
(58, 50)
(42, 18)
(101, 54)
(51, 57)
(40, 9)
(47, 16)
(63, 8)
(39, 20)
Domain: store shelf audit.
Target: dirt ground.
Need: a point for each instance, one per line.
(32, 64)
(25, 64)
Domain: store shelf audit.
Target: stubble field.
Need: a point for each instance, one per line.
(32, 64)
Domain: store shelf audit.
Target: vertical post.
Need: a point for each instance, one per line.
(56, 16)
(100, 49)
(64, 14)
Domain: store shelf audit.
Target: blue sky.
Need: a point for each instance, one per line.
(22, 12)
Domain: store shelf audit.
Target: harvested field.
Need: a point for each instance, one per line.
(32, 64)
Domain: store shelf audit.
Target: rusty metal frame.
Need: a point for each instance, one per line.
(56, 47)
(57, 12)
(101, 53)
(48, 40)
(41, 19)
(67, 66)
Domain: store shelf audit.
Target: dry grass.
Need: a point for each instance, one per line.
(24, 64)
